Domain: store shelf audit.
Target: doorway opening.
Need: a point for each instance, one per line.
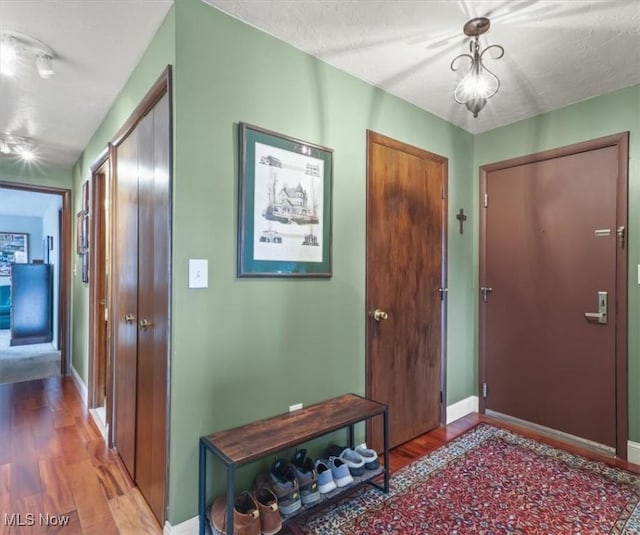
(35, 238)
(99, 237)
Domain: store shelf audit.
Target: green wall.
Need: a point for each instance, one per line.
(597, 117)
(158, 55)
(247, 349)
(35, 174)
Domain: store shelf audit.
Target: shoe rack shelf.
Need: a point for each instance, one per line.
(241, 445)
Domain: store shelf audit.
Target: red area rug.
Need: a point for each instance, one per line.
(492, 481)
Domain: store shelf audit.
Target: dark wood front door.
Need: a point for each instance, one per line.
(406, 230)
(552, 250)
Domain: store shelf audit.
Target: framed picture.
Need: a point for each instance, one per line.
(14, 248)
(82, 232)
(85, 267)
(85, 197)
(285, 210)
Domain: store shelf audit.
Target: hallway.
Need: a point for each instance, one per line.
(54, 461)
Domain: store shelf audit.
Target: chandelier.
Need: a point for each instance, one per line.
(479, 83)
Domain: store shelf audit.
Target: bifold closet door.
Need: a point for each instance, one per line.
(125, 299)
(153, 304)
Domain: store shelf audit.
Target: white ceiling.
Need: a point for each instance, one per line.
(556, 53)
(97, 44)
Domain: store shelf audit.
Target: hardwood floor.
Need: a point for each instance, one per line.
(416, 448)
(53, 461)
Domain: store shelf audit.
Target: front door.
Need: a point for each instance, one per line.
(406, 229)
(553, 298)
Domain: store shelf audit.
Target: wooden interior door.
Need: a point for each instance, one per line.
(552, 239)
(153, 304)
(98, 332)
(124, 298)
(406, 231)
(141, 289)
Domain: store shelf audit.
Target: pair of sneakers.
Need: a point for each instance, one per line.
(307, 476)
(253, 514)
(283, 482)
(357, 459)
(332, 472)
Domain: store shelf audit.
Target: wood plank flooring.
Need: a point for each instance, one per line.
(53, 461)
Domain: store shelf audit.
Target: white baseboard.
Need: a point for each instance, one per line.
(188, 527)
(462, 408)
(82, 388)
(633, 452)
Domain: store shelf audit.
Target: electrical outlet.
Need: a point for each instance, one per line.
(295, 407)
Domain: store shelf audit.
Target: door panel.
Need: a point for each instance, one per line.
(405, 233)
(125, 299)
(545, 362)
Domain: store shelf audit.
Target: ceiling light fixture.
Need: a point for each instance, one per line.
(479, 84)
(16, 46)
(19, 146)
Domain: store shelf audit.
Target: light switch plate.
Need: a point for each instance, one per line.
(198, 273)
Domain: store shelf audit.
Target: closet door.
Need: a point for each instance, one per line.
(125, 299)
(153, 304)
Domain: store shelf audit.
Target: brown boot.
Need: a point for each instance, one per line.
(270, 520)
(246, 517)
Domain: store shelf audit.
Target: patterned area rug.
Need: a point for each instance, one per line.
(492, 481)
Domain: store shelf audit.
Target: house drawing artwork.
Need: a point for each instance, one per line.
(290, 205)
(288, 201)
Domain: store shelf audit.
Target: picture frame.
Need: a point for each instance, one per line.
(82, 232)
(85, 266)
(284, 205)
(85, 197)
(14, 248)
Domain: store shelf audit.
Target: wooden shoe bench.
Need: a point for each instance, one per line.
(241, 445)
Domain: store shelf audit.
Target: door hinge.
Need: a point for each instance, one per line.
(486, 200)
(443, 292)
(441, 397)
(485, 292)
(442, 192)
(484, 390)
(621, 236)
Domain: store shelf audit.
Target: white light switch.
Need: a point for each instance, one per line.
(198, 273)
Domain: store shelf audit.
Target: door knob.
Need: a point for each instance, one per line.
(378, 314)
(144, 324)
(130, 318)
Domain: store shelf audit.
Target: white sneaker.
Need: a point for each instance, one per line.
(370, 457)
